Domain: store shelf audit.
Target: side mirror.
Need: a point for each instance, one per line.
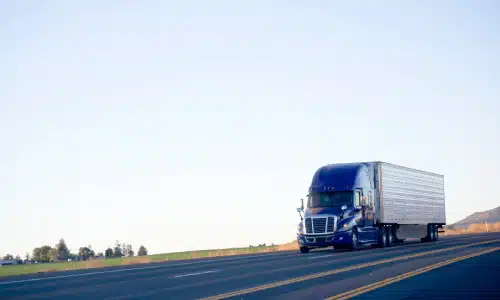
(299, 210)
(302, 203)
(344, 207)
(363, 201)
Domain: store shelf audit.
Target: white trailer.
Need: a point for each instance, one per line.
(410, 198)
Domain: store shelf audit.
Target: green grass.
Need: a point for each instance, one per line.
(99, 263)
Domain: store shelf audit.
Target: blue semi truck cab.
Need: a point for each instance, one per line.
(354, 205)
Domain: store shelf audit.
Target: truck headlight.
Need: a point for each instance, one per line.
(300, 228)
(344, 227)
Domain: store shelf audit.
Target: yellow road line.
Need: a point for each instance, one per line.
(337, 271)
(385, 282)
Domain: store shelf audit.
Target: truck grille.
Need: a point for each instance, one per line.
(331, 224)
(309, 226)
(320, 225)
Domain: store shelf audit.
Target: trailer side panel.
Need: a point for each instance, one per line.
(411, 196)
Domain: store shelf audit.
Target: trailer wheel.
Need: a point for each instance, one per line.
(390, 236)
(437, 233)
(434, 231)
(430, 234)
(304, 250)
(382, 237)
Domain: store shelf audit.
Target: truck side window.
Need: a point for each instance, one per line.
(357, 197)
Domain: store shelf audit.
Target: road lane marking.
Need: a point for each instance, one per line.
(337, 271)
(137, 268)
(194, 274)
(388, 281)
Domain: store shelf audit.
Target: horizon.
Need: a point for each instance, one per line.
(181, 129)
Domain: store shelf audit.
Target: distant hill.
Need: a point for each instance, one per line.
(490, 216)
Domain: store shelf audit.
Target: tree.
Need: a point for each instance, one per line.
(117, 251)
(27, 256)
(86, 252)
(62, 250)
(142, 251)
(124, 249)
(37, 254)
(8, 257)
(42, 253)
(108, 252)
(53, 254)
(129, 251)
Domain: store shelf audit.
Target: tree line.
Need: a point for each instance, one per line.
(61, 252)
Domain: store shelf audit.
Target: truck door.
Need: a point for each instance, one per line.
(369, 214)
(366, 221)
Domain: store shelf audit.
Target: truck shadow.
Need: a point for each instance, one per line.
(343, 250)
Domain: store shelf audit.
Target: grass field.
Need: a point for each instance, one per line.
(474, 228)
(99, 263)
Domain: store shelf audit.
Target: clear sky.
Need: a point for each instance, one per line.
(199, 124)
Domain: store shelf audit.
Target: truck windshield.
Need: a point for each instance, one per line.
(330, 199)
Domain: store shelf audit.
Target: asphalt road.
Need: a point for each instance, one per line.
(463, 267)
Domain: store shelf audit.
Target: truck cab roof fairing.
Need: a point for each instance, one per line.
(339, 177)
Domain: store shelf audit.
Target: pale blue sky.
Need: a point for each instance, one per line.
(199, 124)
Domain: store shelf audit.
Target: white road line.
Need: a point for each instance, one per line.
(193, 274)
(321, 256)
(138, 268)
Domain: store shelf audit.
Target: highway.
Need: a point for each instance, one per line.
(461, 267)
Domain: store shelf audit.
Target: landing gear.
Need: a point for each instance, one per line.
(304, 250)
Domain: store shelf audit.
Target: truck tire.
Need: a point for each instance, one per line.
(354, 240)
(390, 236)
(430, 234)
(382, 237)
(434, 231)
(304, 250)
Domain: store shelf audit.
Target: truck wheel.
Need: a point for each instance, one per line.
(304, 250)
(390, 236)
(382, 237)
(434, 231)
(437, 234)
(430, 235)
(354, 240)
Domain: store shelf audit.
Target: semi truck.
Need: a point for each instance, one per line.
(370, 204)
